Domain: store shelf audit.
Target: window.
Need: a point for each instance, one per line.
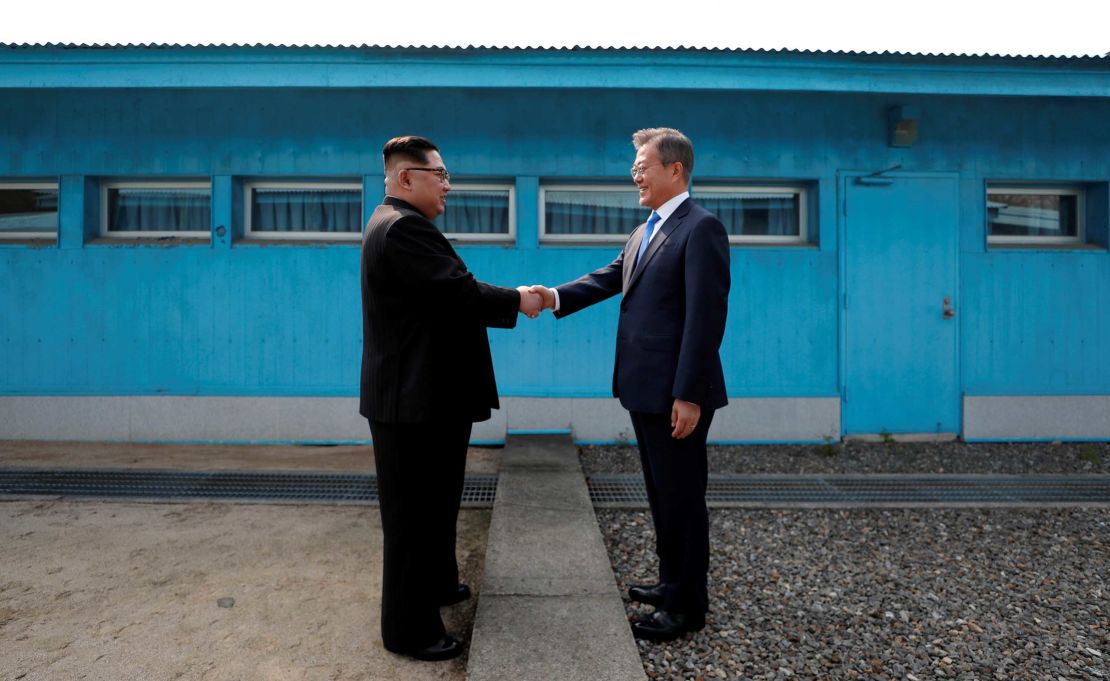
(756, 214)
(1029, 214)
(156, 209)
(304, 210)
(589, 213)
(479, 212)
(28, 210)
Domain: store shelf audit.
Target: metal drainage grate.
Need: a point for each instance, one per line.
(287, 487)
(627, 491)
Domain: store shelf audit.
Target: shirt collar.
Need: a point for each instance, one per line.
(670, 206)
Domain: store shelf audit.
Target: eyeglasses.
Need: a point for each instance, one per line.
(444, 176)
(638, 171)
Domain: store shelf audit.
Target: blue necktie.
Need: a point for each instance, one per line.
(652, 220)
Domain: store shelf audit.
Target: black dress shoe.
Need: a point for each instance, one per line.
(666, 626)
(443, 649)
(460, 594)
(649, 594)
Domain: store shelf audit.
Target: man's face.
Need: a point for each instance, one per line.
(426, 191)
(658, 183)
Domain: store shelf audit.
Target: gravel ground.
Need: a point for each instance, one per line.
(877, 457)
(888, 594)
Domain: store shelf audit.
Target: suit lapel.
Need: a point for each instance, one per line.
(630, 250)
(671, 224)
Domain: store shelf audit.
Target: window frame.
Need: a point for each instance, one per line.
(734, 239)
(40, 236)
(766, 239)
(598, 239)
(1037, 189)
(262, 235)
(192, 235)
(503, 237)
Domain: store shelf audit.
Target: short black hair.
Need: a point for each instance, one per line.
(411, 147)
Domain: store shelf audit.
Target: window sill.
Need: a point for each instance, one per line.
(463, 241)
(315, 243)
(30, 243)
(789, 245)
(1055, 248)
(163, 241)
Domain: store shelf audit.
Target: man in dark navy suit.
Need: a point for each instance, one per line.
(674, 277)
(427, 376)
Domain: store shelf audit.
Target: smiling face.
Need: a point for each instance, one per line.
(423, 188)
(657, 182)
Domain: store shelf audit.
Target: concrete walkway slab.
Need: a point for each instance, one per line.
(549, 606)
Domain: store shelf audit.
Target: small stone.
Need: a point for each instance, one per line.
(226, 602)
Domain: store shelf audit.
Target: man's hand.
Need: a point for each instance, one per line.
(531, 303)
(547, 294)
(684, 418)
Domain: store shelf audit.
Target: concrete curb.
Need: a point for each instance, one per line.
(549, 606)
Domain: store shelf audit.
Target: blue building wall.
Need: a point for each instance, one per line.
(84, 317)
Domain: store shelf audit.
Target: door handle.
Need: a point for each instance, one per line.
(949, 311)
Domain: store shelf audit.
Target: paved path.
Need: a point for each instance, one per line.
(549, 606)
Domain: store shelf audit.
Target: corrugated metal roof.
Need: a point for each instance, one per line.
(548, 48)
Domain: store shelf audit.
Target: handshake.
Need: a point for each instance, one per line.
(535, 299)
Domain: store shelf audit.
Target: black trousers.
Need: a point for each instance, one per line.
(420, 479)
(676, 475)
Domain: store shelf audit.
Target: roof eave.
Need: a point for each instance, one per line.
(648, 68)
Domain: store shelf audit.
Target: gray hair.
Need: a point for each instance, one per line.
(672, 145)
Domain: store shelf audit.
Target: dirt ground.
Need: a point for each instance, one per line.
(131, 591)
(126, 591)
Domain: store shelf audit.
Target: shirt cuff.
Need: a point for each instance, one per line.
(556, 292)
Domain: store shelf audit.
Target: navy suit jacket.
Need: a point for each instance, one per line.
(672, 315)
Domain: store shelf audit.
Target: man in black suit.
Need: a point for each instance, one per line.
(674, 277)
(427, 376)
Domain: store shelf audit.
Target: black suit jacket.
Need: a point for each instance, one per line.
(425, 353)
(672, 316)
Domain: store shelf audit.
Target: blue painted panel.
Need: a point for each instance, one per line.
(900, 264)
(1036, 323)
(87, 318)
(533, 133)
(135, 320)
(778, 341)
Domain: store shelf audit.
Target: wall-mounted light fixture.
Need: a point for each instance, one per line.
(902, 122)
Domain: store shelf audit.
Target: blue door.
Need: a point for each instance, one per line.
(899, 307)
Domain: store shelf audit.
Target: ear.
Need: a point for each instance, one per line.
(404, 179)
